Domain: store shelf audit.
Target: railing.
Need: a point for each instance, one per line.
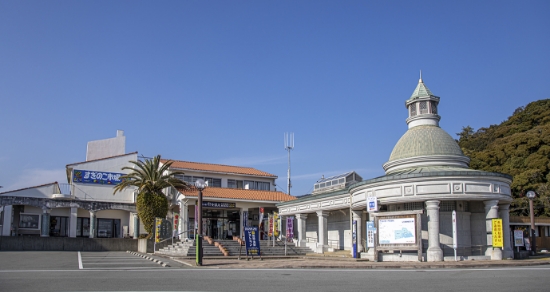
(65, 189)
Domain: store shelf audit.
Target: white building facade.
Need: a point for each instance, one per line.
(427, 174)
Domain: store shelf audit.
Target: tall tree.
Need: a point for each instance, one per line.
(520, 147)
(151, 177)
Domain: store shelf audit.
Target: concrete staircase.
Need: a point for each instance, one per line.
(232, 248)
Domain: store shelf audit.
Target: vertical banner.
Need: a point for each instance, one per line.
(455, 238)
(196, 217)
(176, 223)
(518, 237)
(252, 240)
(158, 223)
(261, 216)
(270, 231)
(289, 228)
(245, 218)
(276, 223)
(354, 238)
(370, 234)
(498, 240)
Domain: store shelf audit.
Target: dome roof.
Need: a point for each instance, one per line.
(425, 140)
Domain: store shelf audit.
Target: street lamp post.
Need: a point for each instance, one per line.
(531, 195)
(200, 184)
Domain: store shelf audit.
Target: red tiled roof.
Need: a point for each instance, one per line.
(218, 168)
(228, 193)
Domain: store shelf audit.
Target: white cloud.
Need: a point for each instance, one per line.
(36, 177)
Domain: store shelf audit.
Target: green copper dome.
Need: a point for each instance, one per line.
(425, 140)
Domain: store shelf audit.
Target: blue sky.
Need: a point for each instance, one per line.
(222, 81)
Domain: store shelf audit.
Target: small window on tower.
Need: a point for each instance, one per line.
(412, 109)
(424, 107)
(434, 107)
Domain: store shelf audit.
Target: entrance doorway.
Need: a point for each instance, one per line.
(221, 224)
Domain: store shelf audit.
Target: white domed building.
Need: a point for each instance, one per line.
(427, 174)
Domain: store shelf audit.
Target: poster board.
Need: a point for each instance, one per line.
(400, 231)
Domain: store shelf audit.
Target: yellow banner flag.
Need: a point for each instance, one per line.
(498, 238)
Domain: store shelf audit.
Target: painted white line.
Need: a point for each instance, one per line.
(79, 261)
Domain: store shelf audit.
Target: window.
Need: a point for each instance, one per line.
(434, 107)
(248, 184)
(424, 107)
(413, 206)
(447, 206)
(412, 109)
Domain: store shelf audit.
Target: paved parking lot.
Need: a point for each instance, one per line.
(65, 260)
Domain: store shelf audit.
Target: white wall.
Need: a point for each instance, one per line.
(104, 193)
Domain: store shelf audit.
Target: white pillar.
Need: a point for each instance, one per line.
(73, 221)
(8, 215)
(45, 228)
(184, 220)
(434, 252)
(243, 210)
(322, 233)
(358, 216)
(504, 213)
(491, 212)
(92, 224)
(301, 221)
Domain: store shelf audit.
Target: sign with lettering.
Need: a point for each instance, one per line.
(370, 234)
(289, 228)
(498, 238)
(252, 239)
(518, 237)
(218, 204)
(97, 177)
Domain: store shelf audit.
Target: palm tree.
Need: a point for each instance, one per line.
(150, 177)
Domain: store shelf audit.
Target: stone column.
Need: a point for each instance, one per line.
(8, 215)
(92, 224)
(136, 225)
(504, 213)
(241, 233)
(301, 221)
(434, 253)
(357, 215)
(72, 221)
(491, 212)
(45, 228)
(322, 233)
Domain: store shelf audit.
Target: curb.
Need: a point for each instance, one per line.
(149, 258)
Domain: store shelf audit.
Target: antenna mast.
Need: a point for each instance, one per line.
(289, 145)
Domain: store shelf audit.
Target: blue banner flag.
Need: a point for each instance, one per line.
(252, 239)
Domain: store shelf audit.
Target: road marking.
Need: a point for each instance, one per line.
(79, 261)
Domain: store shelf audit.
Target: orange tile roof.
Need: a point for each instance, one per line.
(228, 193)
(218, 168)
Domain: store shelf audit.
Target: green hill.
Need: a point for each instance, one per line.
(519, 146)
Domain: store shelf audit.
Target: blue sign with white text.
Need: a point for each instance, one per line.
(252, 239)
(97, 177)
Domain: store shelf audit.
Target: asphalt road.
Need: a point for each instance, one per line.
(64, 271)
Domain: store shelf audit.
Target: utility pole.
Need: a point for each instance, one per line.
(289, 145)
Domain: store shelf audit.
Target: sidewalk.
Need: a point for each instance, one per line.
(328, 262)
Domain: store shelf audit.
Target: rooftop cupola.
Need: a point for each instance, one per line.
(422, 106)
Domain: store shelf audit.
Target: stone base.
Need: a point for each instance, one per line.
(466, 258)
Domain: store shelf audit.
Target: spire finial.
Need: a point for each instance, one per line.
(420, 77)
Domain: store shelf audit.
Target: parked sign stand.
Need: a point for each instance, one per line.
(455, 239)
(518, 238)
